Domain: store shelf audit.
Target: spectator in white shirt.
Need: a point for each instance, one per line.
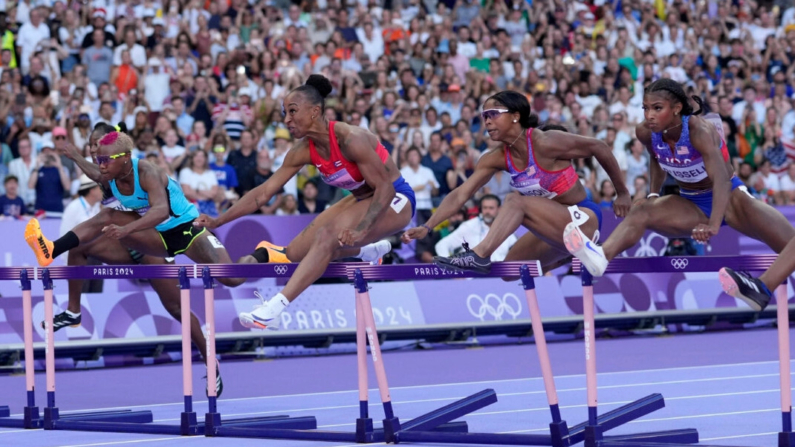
(29, 36)
(788, 185)
(475, 230)
(137, 51)
(21, 168)
(84, 207)
(421, 180)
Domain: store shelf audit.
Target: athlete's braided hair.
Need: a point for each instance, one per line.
(675, 91)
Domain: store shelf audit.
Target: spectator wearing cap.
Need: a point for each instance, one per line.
(224, 174)
(130, 44)
(282, 142)
(82, 208)
(99, 22)
(155, 84)
(98, 59)
(29, 36)
(50, 181)
(80, 123)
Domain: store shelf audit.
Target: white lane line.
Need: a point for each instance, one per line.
(137, 441)
(739, 436)
(375, 390)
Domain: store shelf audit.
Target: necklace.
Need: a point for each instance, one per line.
(125, 175)
(517, 137)
(665, 132)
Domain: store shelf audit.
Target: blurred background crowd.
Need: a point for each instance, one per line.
(199, 85)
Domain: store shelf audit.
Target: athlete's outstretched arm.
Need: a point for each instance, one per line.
(90, 169)
(569, 146)
(487, 166)
(358, 148)
(250, 202)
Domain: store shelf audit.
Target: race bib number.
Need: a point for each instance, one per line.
(399, 202)
(215, 242)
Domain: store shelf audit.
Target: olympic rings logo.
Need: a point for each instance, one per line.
(679, 263)
(280, 269)
(494, 305)
(645, 248)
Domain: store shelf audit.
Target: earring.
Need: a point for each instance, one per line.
(514, 121)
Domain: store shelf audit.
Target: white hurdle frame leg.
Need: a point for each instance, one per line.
(31, 412)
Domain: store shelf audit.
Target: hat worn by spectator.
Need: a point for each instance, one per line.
(86, 183)
(99, 12)
(453, 88)
(245, 91)
(58, 132)
(47, 144)
(282, 133)
(154, 62)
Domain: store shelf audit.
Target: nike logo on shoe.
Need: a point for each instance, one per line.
(590, 247)
(264, 320)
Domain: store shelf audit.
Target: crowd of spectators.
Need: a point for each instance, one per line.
(199, 84)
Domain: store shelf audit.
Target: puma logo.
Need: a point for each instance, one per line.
(188, 233)
(44, 248)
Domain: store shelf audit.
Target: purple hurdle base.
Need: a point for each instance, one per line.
(365, 432)
(126, 421)
(686, 437)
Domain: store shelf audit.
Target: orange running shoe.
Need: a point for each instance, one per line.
(38, 243)
(276, 254)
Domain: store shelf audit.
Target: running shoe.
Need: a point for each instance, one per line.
(591, 255)
(219, 383)
(466, 260)
(745, 287)
(374, 253)
(276, 254)
(38, 243)
(62, 320)
(262, 317)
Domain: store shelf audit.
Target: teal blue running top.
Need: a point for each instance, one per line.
(180, 210)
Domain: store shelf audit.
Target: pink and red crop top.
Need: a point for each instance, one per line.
(534, 180)
(338, 171)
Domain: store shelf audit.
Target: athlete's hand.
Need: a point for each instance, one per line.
(115, 231)
(414, 233)
(621, 204)
(206, 221)
(349, 237)
(70, 151)
(703, 232)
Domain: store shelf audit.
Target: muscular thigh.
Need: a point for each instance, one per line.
(758, 220)
(207, 249)
(146, 241)
(299, 246)
(671, 216)
(109, 251)
(546, 219)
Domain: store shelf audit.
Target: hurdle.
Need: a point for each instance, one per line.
(365, 431)
(680, 264)
(31, 418)
(126, 421)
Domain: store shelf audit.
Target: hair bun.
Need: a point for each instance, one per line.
(122, 127)
(320, 83)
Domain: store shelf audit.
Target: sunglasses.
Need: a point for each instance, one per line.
(60, 137)
(491, 114)
(105, 159)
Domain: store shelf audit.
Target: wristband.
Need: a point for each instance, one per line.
(427, 228)
(654, 194)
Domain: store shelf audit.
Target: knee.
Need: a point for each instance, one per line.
(510, 278)
(512, 200)
(105, 216)
(326, 237)
(232, 282)
(247, 259)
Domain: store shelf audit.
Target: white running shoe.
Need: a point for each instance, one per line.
(262, 317)
(373, 253)
(591, 255)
